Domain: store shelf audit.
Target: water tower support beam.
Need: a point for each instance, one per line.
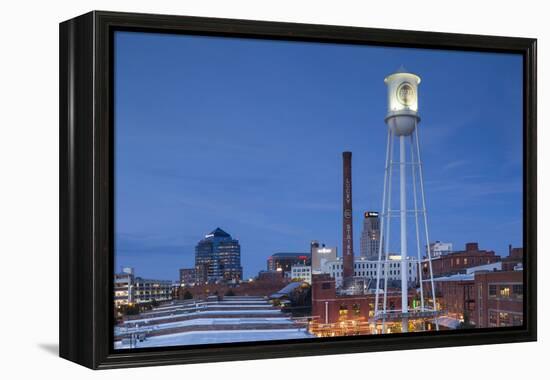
(403, 207)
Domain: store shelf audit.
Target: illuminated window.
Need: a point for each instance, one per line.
(505, 291)
(343, 311)
(465, 261)
(356, 310)
(504, 319)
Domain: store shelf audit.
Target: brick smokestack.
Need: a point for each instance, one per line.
(347, 244)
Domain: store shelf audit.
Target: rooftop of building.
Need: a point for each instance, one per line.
(469, 249)
(217, 233)
(470, 273)
(287, 289)
(142, 279)
(291, 254)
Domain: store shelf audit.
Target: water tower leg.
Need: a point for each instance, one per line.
(403, 215)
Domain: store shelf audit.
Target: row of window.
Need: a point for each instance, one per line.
(506, 291)
(148, 292)
(503, 319)
(465, 261)
(370, 274)
(368, 266)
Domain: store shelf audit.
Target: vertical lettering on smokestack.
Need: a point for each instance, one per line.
(347, 245)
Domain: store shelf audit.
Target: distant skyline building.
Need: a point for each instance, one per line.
(283, 261)
(188, 276)
(129, 289)
(365, 271)
(321, 254)
(301, 272)
(370, 236)
(218, 258)
(439, 248)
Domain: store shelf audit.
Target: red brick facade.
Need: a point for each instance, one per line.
(327, 307)
(514, 258)
(456, 298)
(264, 286)
(499, 299)
(457, 262)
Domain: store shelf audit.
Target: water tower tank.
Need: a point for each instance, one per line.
(402, 115)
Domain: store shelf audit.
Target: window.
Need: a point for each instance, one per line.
(493, 319)
(505, 291)
(356, 310)
(517, 320)
(343, 312)
(492, 290)
(518, 290)
(325, 285)
(504, 319)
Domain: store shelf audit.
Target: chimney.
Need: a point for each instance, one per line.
(472, 247)
(347, 244)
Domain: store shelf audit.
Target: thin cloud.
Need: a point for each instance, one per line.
(454, 164)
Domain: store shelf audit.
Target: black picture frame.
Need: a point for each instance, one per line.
(86, 188)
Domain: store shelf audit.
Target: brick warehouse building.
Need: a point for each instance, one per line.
(485, 298)
(456, 295)
(458, 261)
(266, 284)
(514, 258)
(499, 299)
(329, 307)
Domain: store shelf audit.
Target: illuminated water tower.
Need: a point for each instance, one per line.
(402, 120)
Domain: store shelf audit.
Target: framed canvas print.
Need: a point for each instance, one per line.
(236, 189)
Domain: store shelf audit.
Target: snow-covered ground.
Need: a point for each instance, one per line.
(202, 305)
(210, 337)
(203, 322)
(205, 313)
(236, 320)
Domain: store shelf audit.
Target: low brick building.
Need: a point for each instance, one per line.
(328, 307)
(456, 295)
(265, 285)
(514, 258)
(499, 299)
(458, 261)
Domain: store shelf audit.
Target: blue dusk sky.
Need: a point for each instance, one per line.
(247, 135)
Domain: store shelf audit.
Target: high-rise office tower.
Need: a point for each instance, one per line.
(218, 258)
(370, 236)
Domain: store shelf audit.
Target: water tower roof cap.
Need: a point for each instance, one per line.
(403, 72)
